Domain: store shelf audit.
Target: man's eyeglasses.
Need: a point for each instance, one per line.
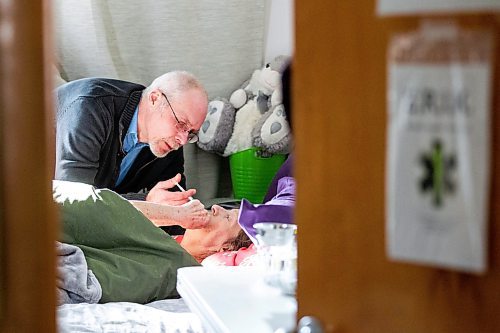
(192, 136)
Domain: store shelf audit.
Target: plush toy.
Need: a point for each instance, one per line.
(244, 122)
(229, 124)
(217, 128)
(264, 86)
(272, 133)
(255, 98)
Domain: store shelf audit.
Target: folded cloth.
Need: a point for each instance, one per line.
(75, 282)
(286, 170)
(278, 209)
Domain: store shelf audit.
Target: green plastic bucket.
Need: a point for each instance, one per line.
(252, 174)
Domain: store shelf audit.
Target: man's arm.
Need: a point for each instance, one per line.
(81, 133)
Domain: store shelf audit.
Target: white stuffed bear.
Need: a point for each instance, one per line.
(258, 95)
(264, 86)
(244, 122)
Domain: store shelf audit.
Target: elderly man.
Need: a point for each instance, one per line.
(128, 138)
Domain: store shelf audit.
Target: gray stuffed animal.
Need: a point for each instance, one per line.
(217, 128)
(272, 133)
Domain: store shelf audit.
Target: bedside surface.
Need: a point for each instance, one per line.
(234, 299)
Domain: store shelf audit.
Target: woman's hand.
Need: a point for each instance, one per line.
(191, 215)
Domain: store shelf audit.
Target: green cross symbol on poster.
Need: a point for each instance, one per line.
(438, 168)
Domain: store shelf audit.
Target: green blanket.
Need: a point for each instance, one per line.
(133, 260)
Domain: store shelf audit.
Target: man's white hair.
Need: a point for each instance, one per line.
(175, 82)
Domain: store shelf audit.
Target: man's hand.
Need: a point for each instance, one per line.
(160, 193)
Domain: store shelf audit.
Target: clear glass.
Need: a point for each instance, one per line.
(277, 251)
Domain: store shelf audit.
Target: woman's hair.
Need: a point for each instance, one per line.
(241, 240)
(234, 244)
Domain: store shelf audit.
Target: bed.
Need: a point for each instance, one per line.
(165, 316)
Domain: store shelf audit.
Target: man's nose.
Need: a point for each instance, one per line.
(182, 137)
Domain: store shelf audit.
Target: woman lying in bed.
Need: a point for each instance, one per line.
(220, 234)
(226, 235)
(207, 232)
(130, 258)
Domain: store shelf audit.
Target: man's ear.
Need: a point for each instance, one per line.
(154, 96)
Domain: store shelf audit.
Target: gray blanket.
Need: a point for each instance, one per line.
(75, 282)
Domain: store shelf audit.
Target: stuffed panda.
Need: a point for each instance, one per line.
(272, 133)
(217, 128)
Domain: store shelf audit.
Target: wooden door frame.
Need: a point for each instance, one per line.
(345, 278)
(28, 221)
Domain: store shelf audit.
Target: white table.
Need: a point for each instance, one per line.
(235, 300)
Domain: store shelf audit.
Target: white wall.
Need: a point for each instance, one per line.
(280, 29)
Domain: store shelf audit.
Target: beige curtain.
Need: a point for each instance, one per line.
(221, 42)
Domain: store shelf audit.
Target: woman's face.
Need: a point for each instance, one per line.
(223, 223)
(223, 226)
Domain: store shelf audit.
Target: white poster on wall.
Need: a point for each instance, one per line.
(397, 7)
(438, 161)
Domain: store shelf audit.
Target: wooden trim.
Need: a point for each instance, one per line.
(28, 213)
